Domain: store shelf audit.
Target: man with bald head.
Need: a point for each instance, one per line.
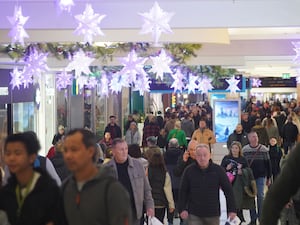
(199, 200)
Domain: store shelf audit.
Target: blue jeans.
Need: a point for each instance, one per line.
(260, 184)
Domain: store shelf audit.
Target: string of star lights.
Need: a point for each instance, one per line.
(144, 63)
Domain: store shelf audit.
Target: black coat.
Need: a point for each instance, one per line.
(43, 203)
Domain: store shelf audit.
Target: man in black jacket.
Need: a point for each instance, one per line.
(289, 134)
(238, 135)
(199, 200)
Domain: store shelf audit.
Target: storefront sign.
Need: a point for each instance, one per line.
(3, 90)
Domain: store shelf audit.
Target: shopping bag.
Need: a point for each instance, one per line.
(235, 221)
(154, 221)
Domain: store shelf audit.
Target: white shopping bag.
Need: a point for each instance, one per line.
(236, 221)
(154, 221)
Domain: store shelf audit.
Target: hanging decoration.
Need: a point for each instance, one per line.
(133, 66)
(88, 24)
(178, 84)
(80, 64)
(205, 85)
(142, 84)
(161, 64)
(116, 83)
(65, 5)
(256, 82)
(192, 85)
(232, 82)
(104, 86)
(91, 82)
(63, 80)
(26, 79)
(16, 78)
(156, 22)
(36, 64)
(18, 33)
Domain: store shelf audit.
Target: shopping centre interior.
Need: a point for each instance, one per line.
(254, 37)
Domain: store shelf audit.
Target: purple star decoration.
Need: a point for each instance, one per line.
(256, 82)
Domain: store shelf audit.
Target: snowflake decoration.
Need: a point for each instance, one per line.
(65, 5)
(63, 80)
(205, 85)
(191, 86)
(26, 78)
(104, 85)
(18, 33)
(80, 64)
(92, 82)
(133, 66)
(36, 64)
(16, 78)
(297, 50)
(115, 83)
(142, 84)
(256, 82)
(156, 22)
(178, 81)
(161, 64)
(88, 24)
(232, 82)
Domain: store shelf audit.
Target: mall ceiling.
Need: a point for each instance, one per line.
(254, 36)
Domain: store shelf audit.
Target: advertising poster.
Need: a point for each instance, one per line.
(226, 117)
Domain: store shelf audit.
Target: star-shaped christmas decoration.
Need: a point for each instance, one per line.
(142, 84)
(104, 86)
(161, 64)
(65, 5)
(18, 33)
(80, 64)
(16, 78)
(63, 80)
(92, 82)
(178, 84)
(232, 82)
(36, 64)
(205, 85)
(88, 24)
(156, 22)
(133, 66)
(26, 78)
(115, 83)
(256, 82)
(191, 86)
(297, 50)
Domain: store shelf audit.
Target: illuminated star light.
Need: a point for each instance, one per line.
(256, 82)
(205, 85)
(80, 64)
(92, 83)
(104, 86)
(156, 22)
(115, 84)
(142, 84)
(18, 33)
(63, 80)
(191, 86)
(26, 78)
(65, 5)
(81, 81)
(133, 66)
(16, 78)
(161, 64)
(178, 81)
(88, 24)
(232, 82)
(36, 64)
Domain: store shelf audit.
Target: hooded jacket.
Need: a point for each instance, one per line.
(101, 201)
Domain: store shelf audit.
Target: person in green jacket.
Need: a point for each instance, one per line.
(285, 186)
(178, 134)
